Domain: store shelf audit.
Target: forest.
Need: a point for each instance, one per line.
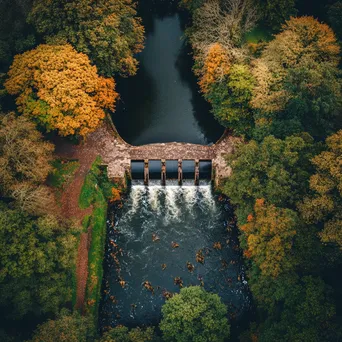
(271, 73)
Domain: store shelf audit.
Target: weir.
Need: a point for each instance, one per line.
(171, 170)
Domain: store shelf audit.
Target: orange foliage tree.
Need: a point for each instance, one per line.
(59, 89)
(268, 235)
(116, 195)
(216, 67)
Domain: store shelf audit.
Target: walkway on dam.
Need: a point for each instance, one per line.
(117, 154)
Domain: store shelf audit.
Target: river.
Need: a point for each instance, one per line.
(162, 102)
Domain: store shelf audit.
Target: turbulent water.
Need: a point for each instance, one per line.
(188, 215)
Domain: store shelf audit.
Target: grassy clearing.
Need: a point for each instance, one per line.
(96, 191)
(257, 35)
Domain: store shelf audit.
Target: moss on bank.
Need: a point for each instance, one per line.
(95, 191)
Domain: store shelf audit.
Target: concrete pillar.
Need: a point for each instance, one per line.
(163, 172)
(196, 172)
(180, 172)
(146, 172)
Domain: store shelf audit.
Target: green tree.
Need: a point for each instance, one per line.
(16, 35)
(109, 32)
(66, 328)
(335, 17)
(191, 5)
(306, 315)
(230, 99)
(325, 204)
(36, 261)
(276, 12)
(123, 334)
(276, 170)
(194, 315)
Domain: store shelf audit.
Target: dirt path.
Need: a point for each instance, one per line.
(85, 154)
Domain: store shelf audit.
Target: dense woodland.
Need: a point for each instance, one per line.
(271, 71)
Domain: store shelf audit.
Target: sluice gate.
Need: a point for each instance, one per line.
(171, 170)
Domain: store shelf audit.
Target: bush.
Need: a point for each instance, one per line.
(195, 315)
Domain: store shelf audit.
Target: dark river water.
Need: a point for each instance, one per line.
(191, 216)
(162, 102)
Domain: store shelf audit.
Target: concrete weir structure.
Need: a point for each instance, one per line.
(117, 155)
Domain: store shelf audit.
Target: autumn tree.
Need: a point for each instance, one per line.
(59, 89)
(66, 327)
(194, 315)
(297, 86)
(37, 259)
(25, 159)
(24, 155)
(268, 237)
(276, 170)
(216, 67)
(325, 204)
(109, 32)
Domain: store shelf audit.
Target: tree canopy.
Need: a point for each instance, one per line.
(268, 235)
(58, 88)
(26, 162)
(297, 85)
(276, 12)
(123, 334)
(37, 257)
(194, 315)
(275, 170)
(109, 32)
(66, 328)
(325, 204)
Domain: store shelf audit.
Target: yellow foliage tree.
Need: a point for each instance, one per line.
(302, 42)
(268, 234)
(58, 88)
(216, 67)
(325, 205)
